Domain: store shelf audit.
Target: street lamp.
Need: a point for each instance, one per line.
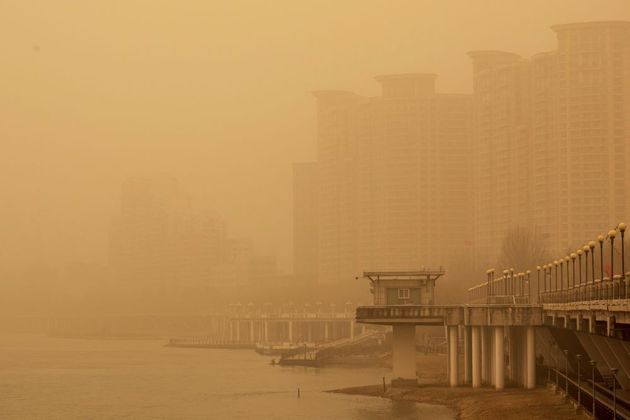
(579, 288)
(579, 254)
(622, 229)
(593, 364)
(573, 257)
(566, 260)
(555, 264)
(566, 372)
(505, 279)
(538, 283)
(579, 391)
(591, 245)
(586, 250)
(614, 372)
(600, 239)
(611, 236)
(528, 273)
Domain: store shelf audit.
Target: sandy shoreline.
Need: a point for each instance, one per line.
(483, 403)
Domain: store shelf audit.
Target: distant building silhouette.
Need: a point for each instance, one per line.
(394, 178)
(157, 242)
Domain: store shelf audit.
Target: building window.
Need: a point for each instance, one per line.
(403, 294)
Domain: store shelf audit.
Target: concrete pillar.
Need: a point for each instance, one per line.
(290, 331)
(326, 331)
(352, 328)
(476, 358)
(499, 358)
(309, 331)
(467, 355)
(251, 332)
(531, 357)
(238, 331)
(266, 327)
(404, 355)
(487, 366)
(453, 355)
(512, 354)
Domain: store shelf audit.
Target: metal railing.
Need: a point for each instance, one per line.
(606, 405)
(569, 279)
(599, 290)
(511, 288)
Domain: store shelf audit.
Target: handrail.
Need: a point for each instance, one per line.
(623, 405)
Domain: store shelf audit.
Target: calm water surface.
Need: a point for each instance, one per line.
(49, 378)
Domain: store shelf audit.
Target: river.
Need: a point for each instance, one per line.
(60, 378)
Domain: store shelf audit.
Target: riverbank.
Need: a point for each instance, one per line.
(469, 404)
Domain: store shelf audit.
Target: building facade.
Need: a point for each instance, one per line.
(394, 178)
(552, 139)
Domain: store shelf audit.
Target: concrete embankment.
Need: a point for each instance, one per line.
(483, 403)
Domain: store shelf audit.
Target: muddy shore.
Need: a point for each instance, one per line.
(484, 403)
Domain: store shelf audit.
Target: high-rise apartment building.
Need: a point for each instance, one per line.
(552, 138)
(394, 178)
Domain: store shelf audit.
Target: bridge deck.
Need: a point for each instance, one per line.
(469, 315)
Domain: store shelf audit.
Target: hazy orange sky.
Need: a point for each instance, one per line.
(218, 93)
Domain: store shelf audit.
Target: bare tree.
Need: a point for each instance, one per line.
(522, 249)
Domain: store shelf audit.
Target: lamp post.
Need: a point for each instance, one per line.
(566, 260)
(579, 288)
(555, 265)
(614, 372)
(538, 283)
(600, 239)
(557, 368)
(611, 236)
(505, 280)
(573, 257)
(586, 250)
(579, 391)
(566, 372)
(579, 254)
(593, 364)
(528, 273)
(591, 245)
(488, 286)
(622, 229)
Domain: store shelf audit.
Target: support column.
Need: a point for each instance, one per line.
(467, 355)
(453, 355)
(266, 331)
(309, 331)
(487, 356)
(476, 357)
(326, 330)
(290, 331)
(512, 354)
(352, 328)
(531, 357)
(404, 355)
(251, 332)
(499, 358)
